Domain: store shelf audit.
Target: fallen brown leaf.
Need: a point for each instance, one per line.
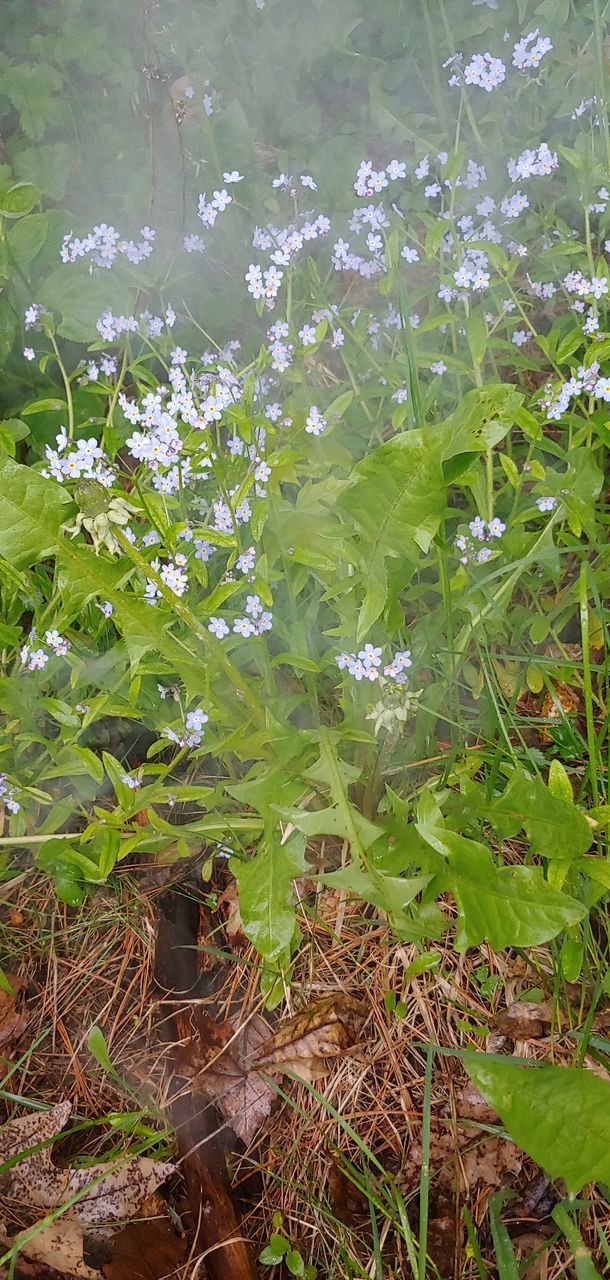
(486, 1162)
(13, 1015)
(59, 1245)
(37, 1182)
(228, 1074)
(243, 1098)
(145, 1250)
(524, 1020)
(308, 1043)
(531, 1250)
(563, 700)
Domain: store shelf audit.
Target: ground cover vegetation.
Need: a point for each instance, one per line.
(303, 570)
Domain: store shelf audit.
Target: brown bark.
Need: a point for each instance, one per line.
(198, 1128)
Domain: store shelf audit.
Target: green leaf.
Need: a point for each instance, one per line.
(559, 1115)
(476, 333)
(8, 328)
(44, 406)
(555, 827)
(508, 906)
(296, 661)
(85, 574)
(279, 1245)
(80, 305)
(397, 495)
(559, 783)
(331, 822)
(96, 1044)
(82, 576)
(569, 345)
(374, 598)
(48, 167)
(15, 428)
(265, 894)
(27, 237)
(338, 407)
(391, 894)
(294, 1263)
(267, 1257)
(503, 1248)
(31, 514)
(18, 199)
(68, 868)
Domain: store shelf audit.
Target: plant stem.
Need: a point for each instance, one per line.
(66, 382)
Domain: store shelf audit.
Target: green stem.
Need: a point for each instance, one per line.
(66, 382)
(601, 79)
(339, 795)
(588, 690)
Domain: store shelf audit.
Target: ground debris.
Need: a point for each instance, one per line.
(13, 1014)
(218, 1062)
(307, 1044)
(228, 1063)
(117, 1189)
(523, 1020)
(59, 1245)
(462, 1157)
(146, 1249)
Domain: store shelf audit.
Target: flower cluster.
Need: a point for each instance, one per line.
(472, 545)
(208, 210)
(256, 623)
(529, 51)
(486, 71)
(366, 664)
(34, 655)
(192, 734)
(77, 460)
(111, 327)
(533, 163)
(586, 381)
(8, 795)
(171, 574)
(103, 245)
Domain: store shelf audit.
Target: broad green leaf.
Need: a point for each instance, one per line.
(82, 576)
(391, 894)
(476, 333)
(48, 167)
(265, 788)
(397, 495)
(18, 199)
(508, 906)
(331, 822)
(80, 305)
(31, 513)
(44, 406)
(559, 1115)
(374, 598)
(296, 661)
(265, 894)
(143, 628)
(26, 238)
(339, 406)
(15, 428)
(554, 826)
